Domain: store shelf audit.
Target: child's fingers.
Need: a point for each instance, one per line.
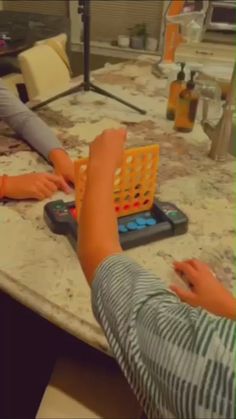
(122, 133)
(50, 185)
(117, 134)
(61, 183)
(45, 191)
(194, 263)
(184, 268)
(198, 265)
(186, 296)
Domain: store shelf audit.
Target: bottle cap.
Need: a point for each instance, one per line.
(191, 82)
(181, 74)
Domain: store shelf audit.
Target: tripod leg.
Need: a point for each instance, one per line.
(86, 21)
(103, 92)
(60, 95)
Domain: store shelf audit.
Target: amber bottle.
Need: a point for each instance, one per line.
(186, 109)
(176, 87)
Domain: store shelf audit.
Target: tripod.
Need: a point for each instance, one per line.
(86, 85)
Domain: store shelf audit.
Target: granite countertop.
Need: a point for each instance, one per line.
(41, 270)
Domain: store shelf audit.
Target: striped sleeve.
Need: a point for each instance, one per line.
(178, 360)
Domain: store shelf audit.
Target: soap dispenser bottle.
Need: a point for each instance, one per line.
(186, 109)
(176, 87)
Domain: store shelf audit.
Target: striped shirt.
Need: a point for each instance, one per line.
(178, 360)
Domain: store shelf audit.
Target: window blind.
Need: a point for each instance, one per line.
(111, 18)
(47, 7)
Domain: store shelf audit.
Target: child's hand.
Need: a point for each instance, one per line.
(63, 165)
(205, 289)
(108, 148)
(34, 186)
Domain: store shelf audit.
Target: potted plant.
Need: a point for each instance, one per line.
(138, 36)
(151, 43)
(123, 41)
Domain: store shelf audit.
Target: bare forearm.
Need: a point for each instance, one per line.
(98, 232)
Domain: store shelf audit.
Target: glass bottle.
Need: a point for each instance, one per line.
(176, 87)
(186, 109)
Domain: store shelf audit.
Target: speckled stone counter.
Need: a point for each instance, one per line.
(41, 270)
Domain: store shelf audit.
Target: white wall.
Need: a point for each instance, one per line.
(103, 26)
(75, 20)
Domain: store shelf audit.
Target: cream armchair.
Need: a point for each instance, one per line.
(58, 44)
(46, 70)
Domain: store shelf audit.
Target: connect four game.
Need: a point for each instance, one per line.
(141, 218)
(135, 181)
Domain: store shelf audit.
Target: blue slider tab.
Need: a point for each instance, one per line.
(151, 222)
(140, 221)
(122, 228)
(132, 226)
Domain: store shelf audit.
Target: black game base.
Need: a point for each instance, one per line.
(162, 221)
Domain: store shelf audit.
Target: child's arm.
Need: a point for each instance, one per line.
(98, 232)
(205, 291)
(35, 132)
(171, 354)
